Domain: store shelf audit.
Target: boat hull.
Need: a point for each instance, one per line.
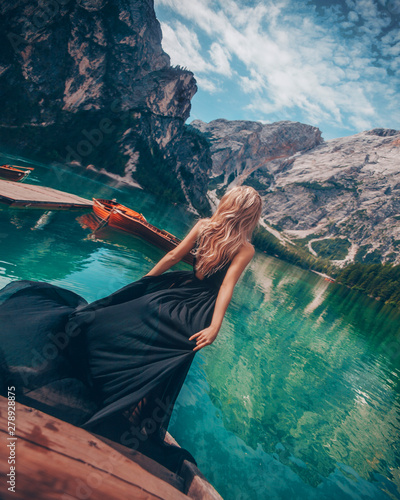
(124, 219)
(11, 173)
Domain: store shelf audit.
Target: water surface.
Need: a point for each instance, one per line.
(298, 398)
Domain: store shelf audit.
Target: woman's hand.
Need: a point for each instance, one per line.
(204, 337)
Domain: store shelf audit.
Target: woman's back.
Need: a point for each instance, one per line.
(215, 278)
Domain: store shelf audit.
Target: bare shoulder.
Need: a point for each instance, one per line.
(239, 263)
(196, 229)
(248, 249)
(245, 253)
(200, 224)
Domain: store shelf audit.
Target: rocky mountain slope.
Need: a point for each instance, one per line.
(340, 199)
(86, 83)
(241, 147)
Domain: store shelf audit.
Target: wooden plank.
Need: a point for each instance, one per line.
(146, 462)
(196, 485)
(45, 475)
(16, 194)
(56, 460)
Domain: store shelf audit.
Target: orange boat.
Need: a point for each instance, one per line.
(125, 219)
(13, 173)
(103, 208)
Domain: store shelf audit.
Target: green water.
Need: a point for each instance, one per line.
(298, 398)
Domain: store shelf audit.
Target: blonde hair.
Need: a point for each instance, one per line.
(228, 229)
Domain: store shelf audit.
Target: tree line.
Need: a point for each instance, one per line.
(380, 281)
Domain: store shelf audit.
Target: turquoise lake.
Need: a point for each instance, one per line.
(299, 396)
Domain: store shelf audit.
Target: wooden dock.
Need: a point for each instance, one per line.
(36, 196)
(54, 459)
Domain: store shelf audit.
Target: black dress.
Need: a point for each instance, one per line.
(129, 352)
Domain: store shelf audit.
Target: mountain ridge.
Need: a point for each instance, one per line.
(88, 85)
(322, 196)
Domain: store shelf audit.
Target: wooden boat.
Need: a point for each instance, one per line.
(13, 173)
(102, 208)
(125, 219)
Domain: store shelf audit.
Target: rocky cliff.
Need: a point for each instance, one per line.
(244, 149)
(86, 83)
(339, 199)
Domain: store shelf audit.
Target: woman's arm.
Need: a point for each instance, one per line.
(176, 254)
(238, 264)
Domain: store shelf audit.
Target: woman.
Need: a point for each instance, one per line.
(134, 347)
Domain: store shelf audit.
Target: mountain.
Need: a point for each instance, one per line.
(86, 83)
(338, 199)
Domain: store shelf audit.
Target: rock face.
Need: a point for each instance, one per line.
(86, 82)
(347, 188)
(339, 198)
(240, 147)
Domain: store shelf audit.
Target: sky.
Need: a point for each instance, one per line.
(331, 64)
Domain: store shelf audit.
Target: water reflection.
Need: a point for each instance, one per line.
(40, 252)
(319, 297)
(301, 377)
(299, 395)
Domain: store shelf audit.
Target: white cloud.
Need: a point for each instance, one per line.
(285, 60)
(254, 83)
(183, 47)
(220, 57)
(392, 51)
(392, 37)
(368, 11)
(352, 16)
(361, 123)
(395, 66)
(206, 84)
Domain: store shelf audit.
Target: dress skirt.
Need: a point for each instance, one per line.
(128, 353)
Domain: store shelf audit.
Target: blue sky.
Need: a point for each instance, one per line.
(331, 64)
